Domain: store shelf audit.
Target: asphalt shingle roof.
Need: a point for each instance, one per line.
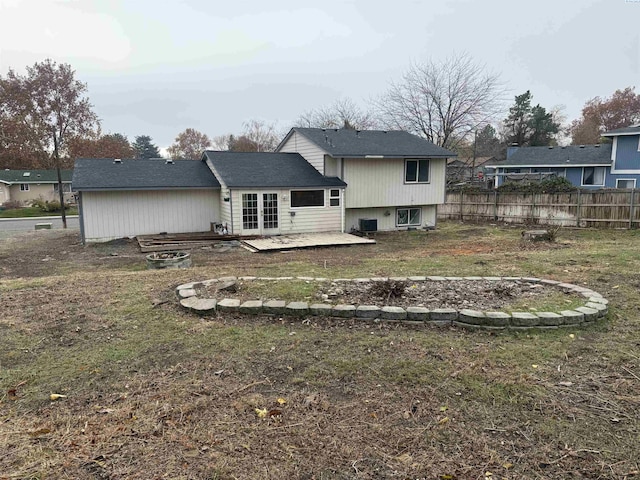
(359, 143)
(268, 170)
(35, 176)
(105, 174)
(571, 155)
(633, 130)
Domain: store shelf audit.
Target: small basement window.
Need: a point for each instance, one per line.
(307, 198)
(24, 187)
(334, 198)
(408, 217)
(626, 183)
(416, 171)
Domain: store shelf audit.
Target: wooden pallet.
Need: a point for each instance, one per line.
(181, 241)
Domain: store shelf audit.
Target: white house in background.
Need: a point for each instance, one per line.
(25, 186)
(318, 180)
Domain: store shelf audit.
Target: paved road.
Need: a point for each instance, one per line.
(22, 224)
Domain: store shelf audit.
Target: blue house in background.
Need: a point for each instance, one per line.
(614, 165)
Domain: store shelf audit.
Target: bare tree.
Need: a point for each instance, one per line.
(343, 113)
(261, 134)
(444, 102)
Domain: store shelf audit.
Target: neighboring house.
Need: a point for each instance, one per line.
(393, 178)
(467, 169)
(317, 181)
(125, 198)
(614, 165)
(25, 186)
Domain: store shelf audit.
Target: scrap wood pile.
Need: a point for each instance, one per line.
(181, 241)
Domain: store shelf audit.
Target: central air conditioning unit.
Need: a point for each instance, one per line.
(368, 224)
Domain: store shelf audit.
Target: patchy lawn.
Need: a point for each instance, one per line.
(154, 392)
(34, 212)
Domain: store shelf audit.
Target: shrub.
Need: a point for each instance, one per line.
(548, 185)
(11, 205)
(46, 206)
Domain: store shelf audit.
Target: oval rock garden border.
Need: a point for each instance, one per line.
(596, 306)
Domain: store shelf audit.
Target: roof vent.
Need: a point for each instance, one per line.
(169, 161)
(597, 145)
(117, 160)
(550, 147)
(581, 146)
(26, 174)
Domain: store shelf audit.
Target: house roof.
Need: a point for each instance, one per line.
(573, 155)
(342, 142)
(151, 174)
(34, 176)
(469, 162)
(632, 130)
(268, 170)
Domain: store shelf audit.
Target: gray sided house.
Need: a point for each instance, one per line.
(25, 186)
(317, 181)
(614, 165)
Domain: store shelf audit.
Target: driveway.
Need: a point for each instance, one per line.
(12, 225)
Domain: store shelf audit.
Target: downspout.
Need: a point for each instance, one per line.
(231, 210)
(342, 215)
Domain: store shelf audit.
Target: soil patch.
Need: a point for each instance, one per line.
(457, 294)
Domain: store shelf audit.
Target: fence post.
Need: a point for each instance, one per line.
(578, 205)
(631, 209)
(533, 209)
(495, 205)
(461, 205)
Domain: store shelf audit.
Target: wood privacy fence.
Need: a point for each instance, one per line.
(619, 208)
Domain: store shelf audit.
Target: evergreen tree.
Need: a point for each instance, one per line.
(144, 148)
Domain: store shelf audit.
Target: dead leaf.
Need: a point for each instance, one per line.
(534, 366)
(442, 421)
(261, 412)
(274, 412)
(56, 396)
(40, 432)
(565, 384)
(106, 410)
(12, 394)
(444, 408)
(507, 465)
(281, 401)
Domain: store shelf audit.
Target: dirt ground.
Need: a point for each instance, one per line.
(149, 391)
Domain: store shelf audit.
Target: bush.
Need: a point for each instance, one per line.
(11, 205)
(548, 185)
(46, 206)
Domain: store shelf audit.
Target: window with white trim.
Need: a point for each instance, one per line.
(625, 183)
(307, 198)
(416, 171)
(593, 175)
(24, 187)
(334, 198)
(408, 217)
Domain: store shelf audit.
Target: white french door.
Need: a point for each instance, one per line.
(260, 213)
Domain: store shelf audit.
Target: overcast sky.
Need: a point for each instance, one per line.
(158, 67)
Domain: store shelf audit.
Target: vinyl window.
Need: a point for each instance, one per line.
(408, 217)
(416, 171)
(625, 183)
(24, 187)
(334, 198)
(593, 175)
(307, 198)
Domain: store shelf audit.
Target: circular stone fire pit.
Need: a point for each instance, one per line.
(159, 260)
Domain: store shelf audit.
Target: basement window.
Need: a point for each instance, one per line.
(24, 187)
(307, 198)
(408, 217)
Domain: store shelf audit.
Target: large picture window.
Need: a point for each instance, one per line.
(416, 171)
(408, 217)
(593, 175)
(307, 198)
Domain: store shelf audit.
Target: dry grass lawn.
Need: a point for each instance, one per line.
(153, 392)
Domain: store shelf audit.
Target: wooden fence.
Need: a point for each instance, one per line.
(619, 208)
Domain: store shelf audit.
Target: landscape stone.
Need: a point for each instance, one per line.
(453, 279)
(367, 311)
(420, 314)
(473, 317)
(511, 279)
(297, 309)
(247, 278)
(436, 278)
(590, 314)
(531, 279)
(320, 309)
(497, 319)
(379, 279)
(228, 305)
(443, 315)
(417, 279)
(343, 311)
(361, 280)
(572, 317)
(306, 279)
(186, 292)
(549, 282)
(393, 313)
(524, 319)
(550, 318)
(184, 285)
(252, 307)
(601, 300)
(274, 307)
(493, 279)
(199, 305)
(397, 279)
(602, 309)
(473, 278)
(228, 279)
